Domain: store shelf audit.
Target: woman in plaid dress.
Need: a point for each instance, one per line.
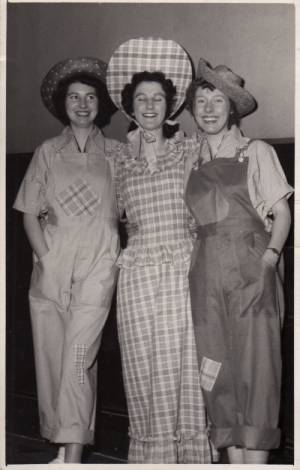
(68, 201)
(166, 413)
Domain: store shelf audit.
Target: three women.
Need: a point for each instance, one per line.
(236, 193)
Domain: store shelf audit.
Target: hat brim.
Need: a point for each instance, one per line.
(245, 103)
(65, 69)
(151, 55)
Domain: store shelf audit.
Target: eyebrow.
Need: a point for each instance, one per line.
(145, 94)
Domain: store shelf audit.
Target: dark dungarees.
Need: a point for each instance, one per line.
(235, 305)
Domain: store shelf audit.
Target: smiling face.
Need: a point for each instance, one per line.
(81, 105)
(149, 105)
(211, 110)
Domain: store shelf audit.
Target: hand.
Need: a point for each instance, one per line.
(270, 258)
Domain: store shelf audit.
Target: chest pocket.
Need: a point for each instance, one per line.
(78, 198)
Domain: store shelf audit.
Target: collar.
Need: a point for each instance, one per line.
(67, 137)
(232, 140)
(136, 162)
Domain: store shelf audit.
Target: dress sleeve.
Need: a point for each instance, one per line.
(31, 197)
(118, 177)
(266, 179)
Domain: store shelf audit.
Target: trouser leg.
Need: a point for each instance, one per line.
(48, 337)
(76, 404)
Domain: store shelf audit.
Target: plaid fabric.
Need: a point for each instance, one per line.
(209, 371)
(160, 370)
(80, 351)
(155, 204)
(79, 198)
(166, 411)
(138, 55)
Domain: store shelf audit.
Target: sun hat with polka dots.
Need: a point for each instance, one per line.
(65, 69)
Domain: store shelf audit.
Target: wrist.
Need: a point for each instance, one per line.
(274, 250)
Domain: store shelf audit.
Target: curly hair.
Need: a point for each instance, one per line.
(201, 83)
(168, 88)
(106, 107)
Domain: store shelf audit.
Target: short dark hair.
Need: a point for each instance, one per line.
(168, 88)
(201, 83)
(106, 107)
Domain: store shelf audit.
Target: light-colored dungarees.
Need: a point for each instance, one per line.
(73, 283)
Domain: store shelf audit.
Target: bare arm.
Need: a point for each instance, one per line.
(35, 234)
(280, 230)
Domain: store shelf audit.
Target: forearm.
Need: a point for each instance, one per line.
(280, 231)
(281, 225)
(35, 234)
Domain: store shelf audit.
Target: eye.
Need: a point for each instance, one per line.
(73, 97)
(200, 100)
(91, 97)
(219, 100)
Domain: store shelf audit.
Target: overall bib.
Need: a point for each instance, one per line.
(70, 293)
(235, 307)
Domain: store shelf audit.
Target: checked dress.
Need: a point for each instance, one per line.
(165, 405)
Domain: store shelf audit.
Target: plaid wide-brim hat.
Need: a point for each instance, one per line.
(151, 55)
(65, 69)
(231, 84)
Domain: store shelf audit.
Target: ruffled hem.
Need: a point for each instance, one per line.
(177, 254)
(184, 448)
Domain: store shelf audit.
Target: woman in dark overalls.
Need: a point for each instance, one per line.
(237, 192)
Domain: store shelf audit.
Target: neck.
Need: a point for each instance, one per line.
(214, 141)
(81, 135)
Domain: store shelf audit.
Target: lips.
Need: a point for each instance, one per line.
(82, 113)
(149, 115)
(210, 119)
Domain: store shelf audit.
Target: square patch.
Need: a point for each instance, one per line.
(209, 371)
(78, 198)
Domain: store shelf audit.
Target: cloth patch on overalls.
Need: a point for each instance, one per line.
(78, 198)
(209, 371)
(80, 351)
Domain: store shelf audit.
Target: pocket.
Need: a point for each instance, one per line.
(115, 246)
(78, 198)
(41, 258)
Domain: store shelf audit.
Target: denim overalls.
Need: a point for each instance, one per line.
(236, 308)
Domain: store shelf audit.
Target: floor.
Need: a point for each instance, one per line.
(21, 450)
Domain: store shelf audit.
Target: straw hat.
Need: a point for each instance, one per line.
(230, 84)
(66, 69)
(151, 55)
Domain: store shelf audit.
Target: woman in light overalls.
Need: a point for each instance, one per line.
(238, 194)
(68, 201)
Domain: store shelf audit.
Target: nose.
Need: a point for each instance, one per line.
(208, 106)
(82, 102)
(149, 103)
